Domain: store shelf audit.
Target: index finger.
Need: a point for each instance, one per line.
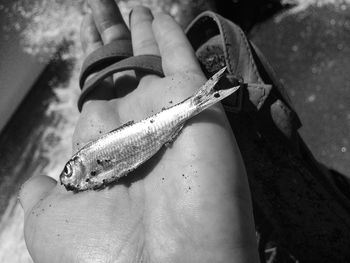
(176, 50)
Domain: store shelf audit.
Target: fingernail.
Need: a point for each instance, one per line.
(130, 16)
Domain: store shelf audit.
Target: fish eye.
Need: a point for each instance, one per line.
(67, 170)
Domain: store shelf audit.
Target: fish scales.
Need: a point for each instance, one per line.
(122, 150)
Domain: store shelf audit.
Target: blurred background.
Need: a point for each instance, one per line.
(306, 41)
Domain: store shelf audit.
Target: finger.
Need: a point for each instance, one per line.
(100, 116)
(143, 40)
(176, 51)
(91, 40)
(111, 27)
(109, 20)
(35, 189)
(89, 35)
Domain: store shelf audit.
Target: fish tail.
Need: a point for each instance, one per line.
(210, 93)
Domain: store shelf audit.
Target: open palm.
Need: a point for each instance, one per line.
(189, 203)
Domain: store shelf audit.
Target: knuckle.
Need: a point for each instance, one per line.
(106, 24)
(140, 21)
(115, 32)
(169, 44)
(145, 43)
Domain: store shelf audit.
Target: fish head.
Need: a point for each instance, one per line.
(73, 175)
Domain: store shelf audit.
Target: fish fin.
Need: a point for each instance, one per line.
(123, 126)
(209, 93)
(174, 135)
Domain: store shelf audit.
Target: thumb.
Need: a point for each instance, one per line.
(34, 189)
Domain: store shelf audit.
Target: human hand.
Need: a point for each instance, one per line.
(189, 203)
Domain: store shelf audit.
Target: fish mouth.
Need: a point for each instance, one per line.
(75, 188)
(70, 187)
(73, 185)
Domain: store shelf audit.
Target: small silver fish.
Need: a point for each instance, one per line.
(115, 154)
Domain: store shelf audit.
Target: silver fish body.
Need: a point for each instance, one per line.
(115, 154)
